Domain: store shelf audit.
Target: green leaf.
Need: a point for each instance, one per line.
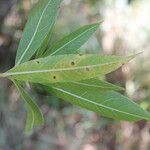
(29, 121)
(37, 28)
(72, 42)
(44, 45)
(66, 68)
(90, 84)
(107, 103)
(98, 84)
(34, 115)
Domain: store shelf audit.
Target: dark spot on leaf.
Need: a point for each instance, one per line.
(72, 63)
(38, 62)
(87, 69)
(54, 77)
(80, 54)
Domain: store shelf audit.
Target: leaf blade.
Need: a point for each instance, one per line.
(37, 27)
(107, 103)
(34, 115)
(29, 125)
(98, 84)
(72, 42)
(90, 84)
(66, 68)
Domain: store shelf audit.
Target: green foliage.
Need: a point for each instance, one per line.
(106, 103)
(37, 28)
(90, 84)
(72, 42)
(65, 68)
(68, 74)
(34, 115)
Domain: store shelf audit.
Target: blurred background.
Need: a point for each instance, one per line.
(125, 29)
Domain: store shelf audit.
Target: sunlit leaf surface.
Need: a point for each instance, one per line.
(64, 68)
(37, 28)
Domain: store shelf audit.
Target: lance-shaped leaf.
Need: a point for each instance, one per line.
(90, 84)
(34, 115)
(72, 42)
(66, 68)
(106, 103)
(37, 28)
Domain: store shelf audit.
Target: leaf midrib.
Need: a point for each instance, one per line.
(19, 61)
(56, 70)
(98, 104)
